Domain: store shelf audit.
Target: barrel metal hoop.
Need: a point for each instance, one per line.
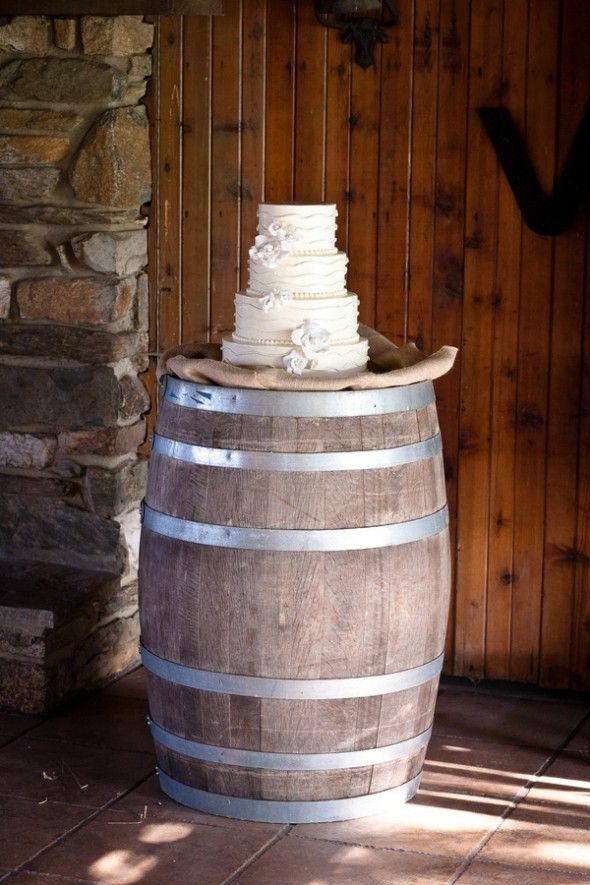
(246, 538)
(289, 761)
(290, 689)
(280, 811)
(298, 403)
(370, 459)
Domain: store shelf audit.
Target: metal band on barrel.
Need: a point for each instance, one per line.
(370, 459)
(246, 538)
(298, 403)
(290, 689)
(289, 761)
(280, 811)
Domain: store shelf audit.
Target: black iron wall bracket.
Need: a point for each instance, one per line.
(545, 214)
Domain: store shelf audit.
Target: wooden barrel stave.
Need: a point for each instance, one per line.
(291, 785)
(265, 434)
(321, 726)
(332, 593)
(311, 501)
(280, 614)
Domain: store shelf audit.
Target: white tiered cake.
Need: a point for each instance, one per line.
(296, 313)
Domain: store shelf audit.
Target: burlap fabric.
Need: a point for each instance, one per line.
(389, 366)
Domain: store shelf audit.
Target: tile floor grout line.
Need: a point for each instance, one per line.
(24, 733)
(516, 800)
(22, 867)
(385, 848)
(54, 877)
(233, 877)
(21, 798)
(72, 743)
(531, 867)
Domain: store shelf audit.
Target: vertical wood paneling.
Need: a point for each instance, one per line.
(505, 302)
(149, 377)
(280, 100)
(396, 69)
(196, 137)
(481, 229)
(310, 107)
(533, 351)
(363, 187)
(580, 659)
(423, 147)
(337, 152)
(225, 166)
(564, 372)
(263, 103)
(170, 182)
(252, 125)
(449, 221)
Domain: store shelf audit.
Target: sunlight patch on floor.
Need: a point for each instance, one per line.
(122, 867)
(566, 852)
(154, 834)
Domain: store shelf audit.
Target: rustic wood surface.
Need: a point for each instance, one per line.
(439, 254)
(298, 786)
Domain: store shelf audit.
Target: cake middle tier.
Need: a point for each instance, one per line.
(339, 359)
(271, 319)
(301, 274)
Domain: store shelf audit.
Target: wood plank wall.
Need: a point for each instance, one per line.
(264, 103)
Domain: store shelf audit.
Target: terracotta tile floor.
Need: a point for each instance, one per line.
(505, 798)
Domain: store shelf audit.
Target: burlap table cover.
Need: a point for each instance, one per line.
(389, 366)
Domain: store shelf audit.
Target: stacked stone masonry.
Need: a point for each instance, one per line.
(74, 178)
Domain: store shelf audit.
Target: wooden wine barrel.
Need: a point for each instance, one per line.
(294, 587)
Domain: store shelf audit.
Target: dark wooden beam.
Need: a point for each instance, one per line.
(111, 7)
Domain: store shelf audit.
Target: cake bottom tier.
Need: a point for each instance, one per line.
(339, 359)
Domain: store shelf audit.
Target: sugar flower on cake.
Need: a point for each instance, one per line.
(267, 252)
(286, 235)
(270, 247)
(311, 338)
(295, 362)
(274, 299)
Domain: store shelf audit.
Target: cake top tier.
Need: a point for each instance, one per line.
(310, 227)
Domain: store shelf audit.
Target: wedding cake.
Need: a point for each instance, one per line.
(296, 313)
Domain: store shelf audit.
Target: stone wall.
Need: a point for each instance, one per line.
(74, 174)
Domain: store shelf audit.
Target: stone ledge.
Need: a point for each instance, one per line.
(25, 34)
(70, 343)
(68, 398)
(18, 248)
(107, 441)
(112, 166)
(81, 218)
(38, 121)
(25, 451)
(63, 632)
(116, 35)
(71, 80)
(29, 183)
(41, 530)
(78, 301)
(111, 492)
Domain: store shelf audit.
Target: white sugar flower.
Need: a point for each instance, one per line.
(286, 235)
(271, 247)
(311, 338)
(295, 363)
(266, 252)
(274, 299)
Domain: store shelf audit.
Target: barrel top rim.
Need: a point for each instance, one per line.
(298, 403)
(215, 388)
